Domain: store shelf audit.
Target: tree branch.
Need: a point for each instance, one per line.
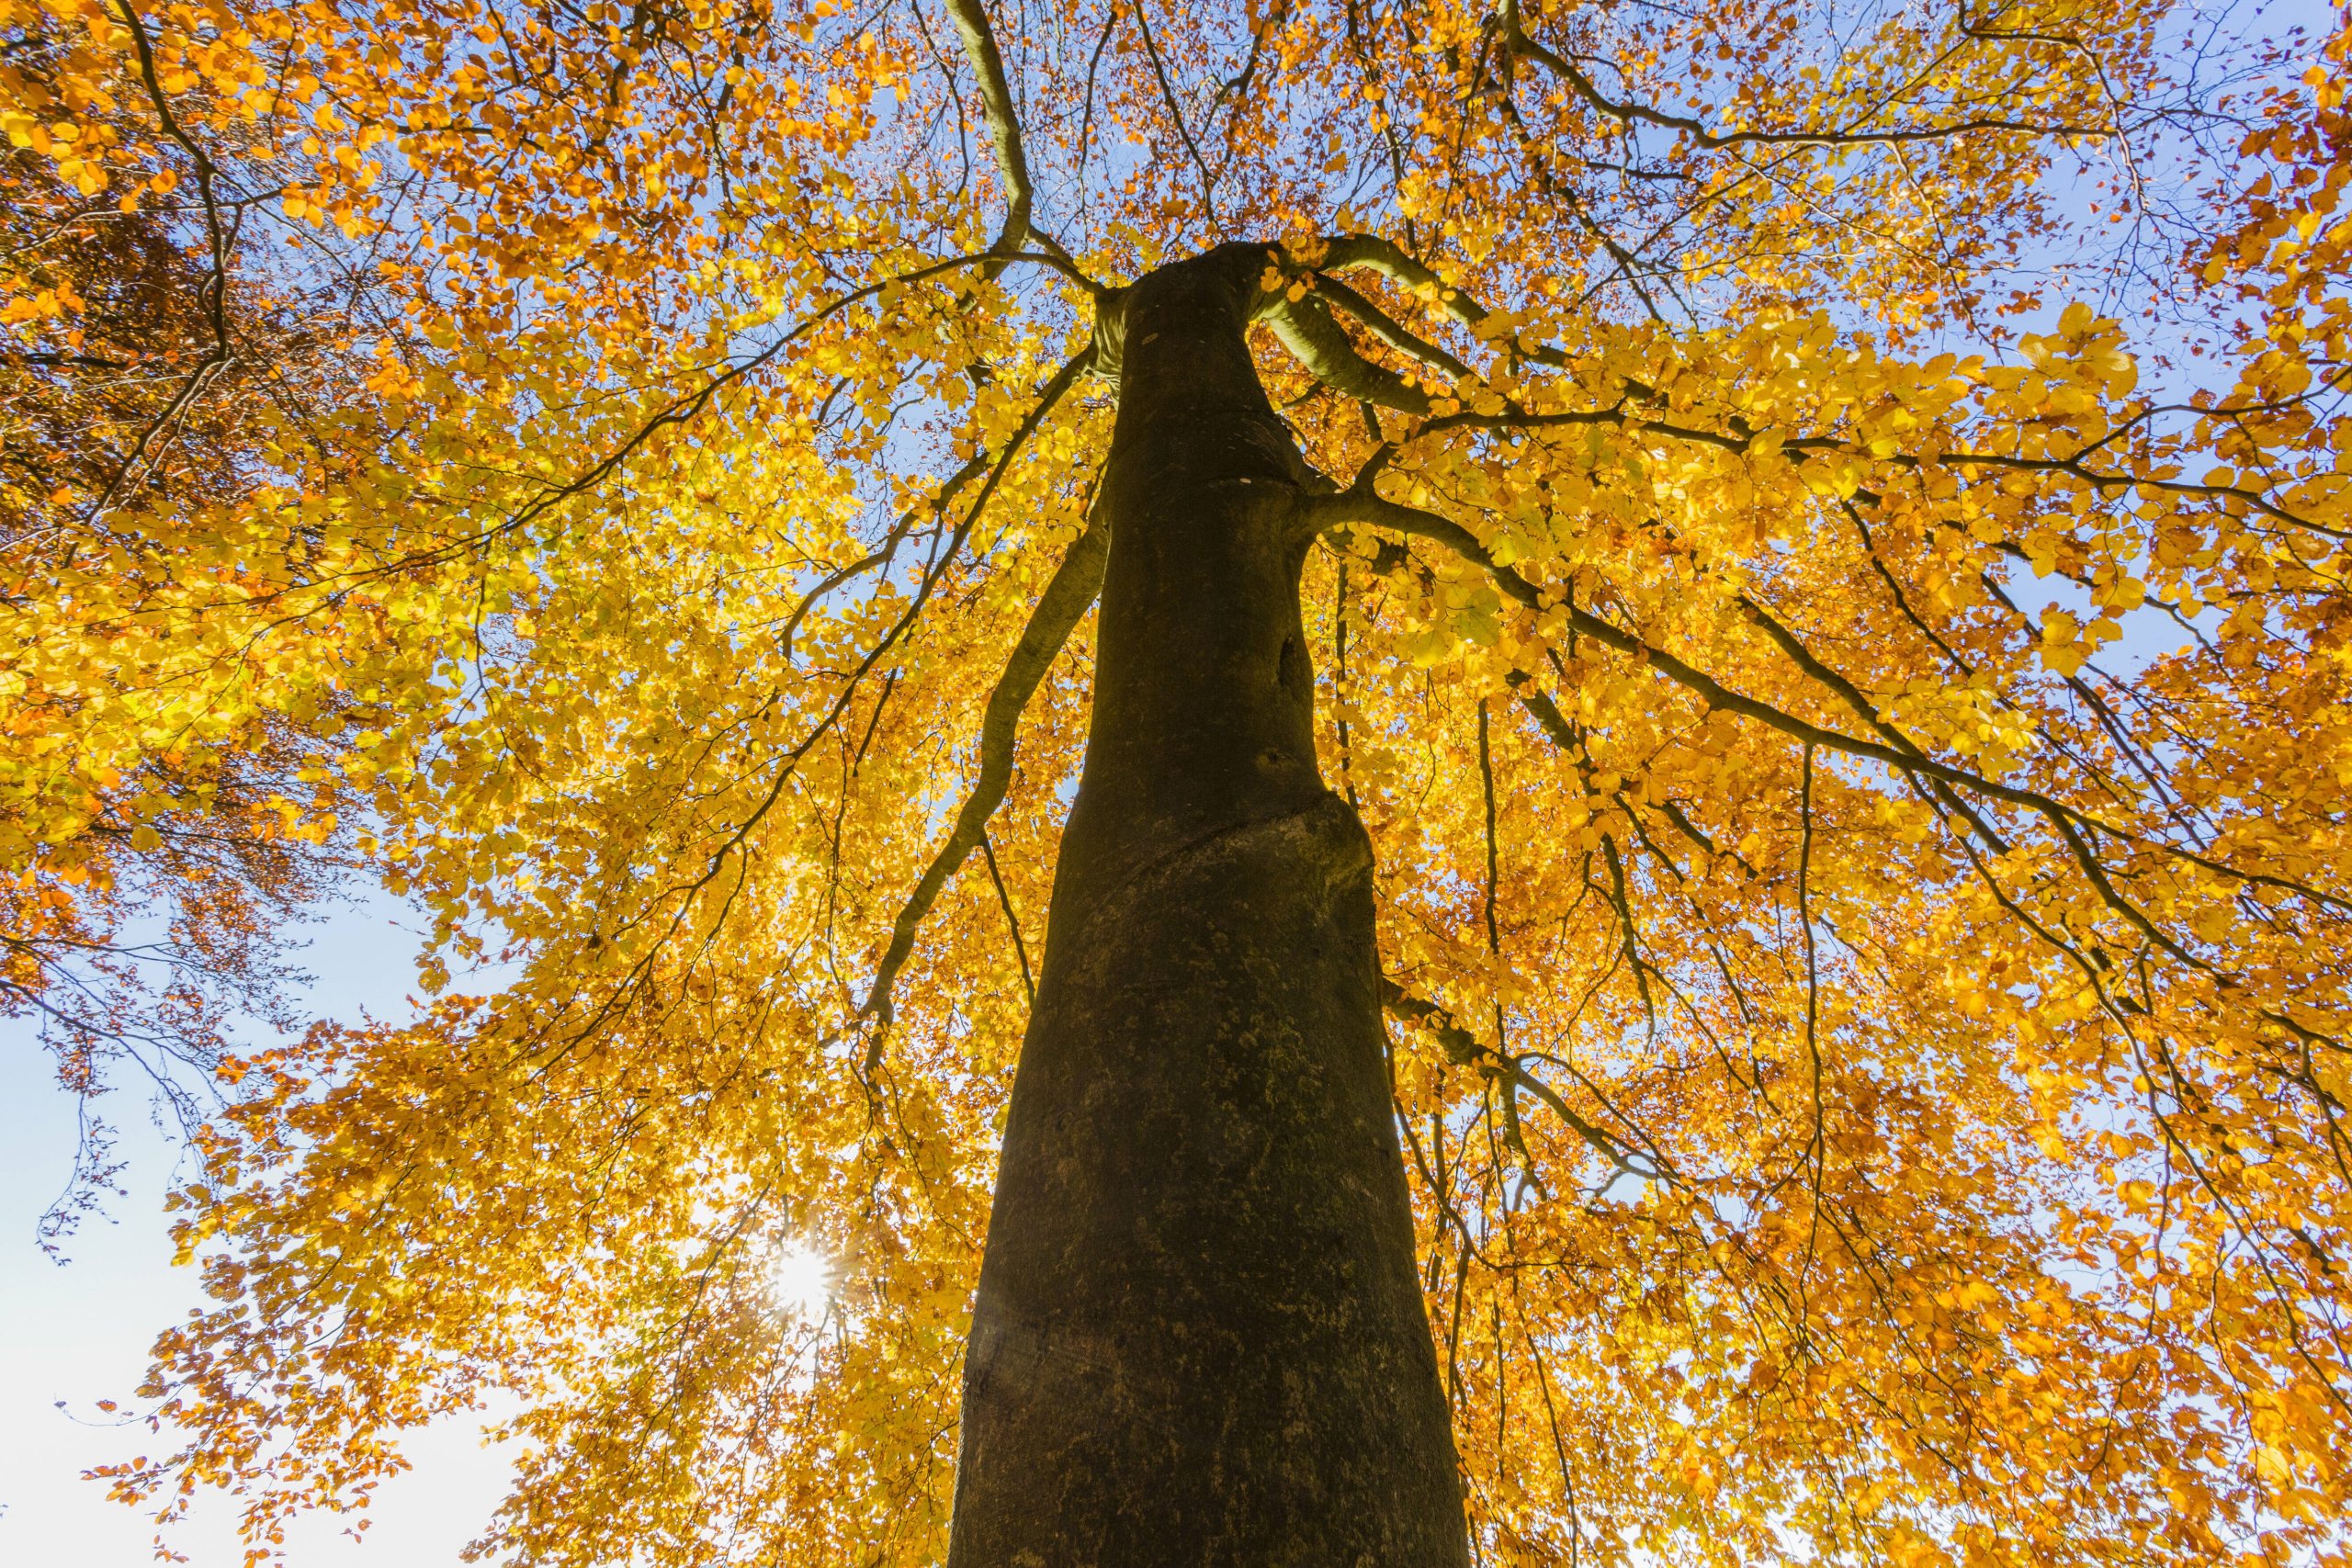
(1466, 1048)
(1359, 504)
(1012, 921)
(1004, 134)
(219, 243)
(1066, 598)
(1628, 113)
(1386, 328)
(1307, 329)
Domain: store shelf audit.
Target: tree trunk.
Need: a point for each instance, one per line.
(1199, 1338)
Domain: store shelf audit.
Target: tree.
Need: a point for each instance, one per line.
(1563, 492)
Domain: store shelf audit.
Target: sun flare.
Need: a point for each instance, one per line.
(802, 1281)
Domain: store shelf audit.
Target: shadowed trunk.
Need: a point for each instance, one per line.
(1199, 1338)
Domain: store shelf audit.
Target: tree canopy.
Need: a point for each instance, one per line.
(1829, 598)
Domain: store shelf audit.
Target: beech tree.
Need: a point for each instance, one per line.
(1421, 783)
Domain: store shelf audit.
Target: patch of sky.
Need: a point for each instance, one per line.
(80, 1325)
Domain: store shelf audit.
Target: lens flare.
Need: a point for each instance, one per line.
(801, 1280)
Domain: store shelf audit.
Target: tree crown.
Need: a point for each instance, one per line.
(1827, 592)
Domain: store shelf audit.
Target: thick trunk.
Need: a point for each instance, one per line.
(1199, 1339)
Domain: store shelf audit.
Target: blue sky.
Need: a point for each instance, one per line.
(79, 1332)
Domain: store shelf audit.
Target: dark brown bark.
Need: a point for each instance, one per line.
(1199, 1338)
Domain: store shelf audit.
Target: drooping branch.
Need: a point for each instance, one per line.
(1740, 440)
(1617, 895)
(1467, 1049)
(1555, 724)
(1361, 504)
(1066, 598)
(1628, 113)
(1373, 253)
(1012, 921)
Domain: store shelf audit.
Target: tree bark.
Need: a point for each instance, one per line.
(1199, 1338)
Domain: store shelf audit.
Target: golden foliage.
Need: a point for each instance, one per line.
(1834, 613)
